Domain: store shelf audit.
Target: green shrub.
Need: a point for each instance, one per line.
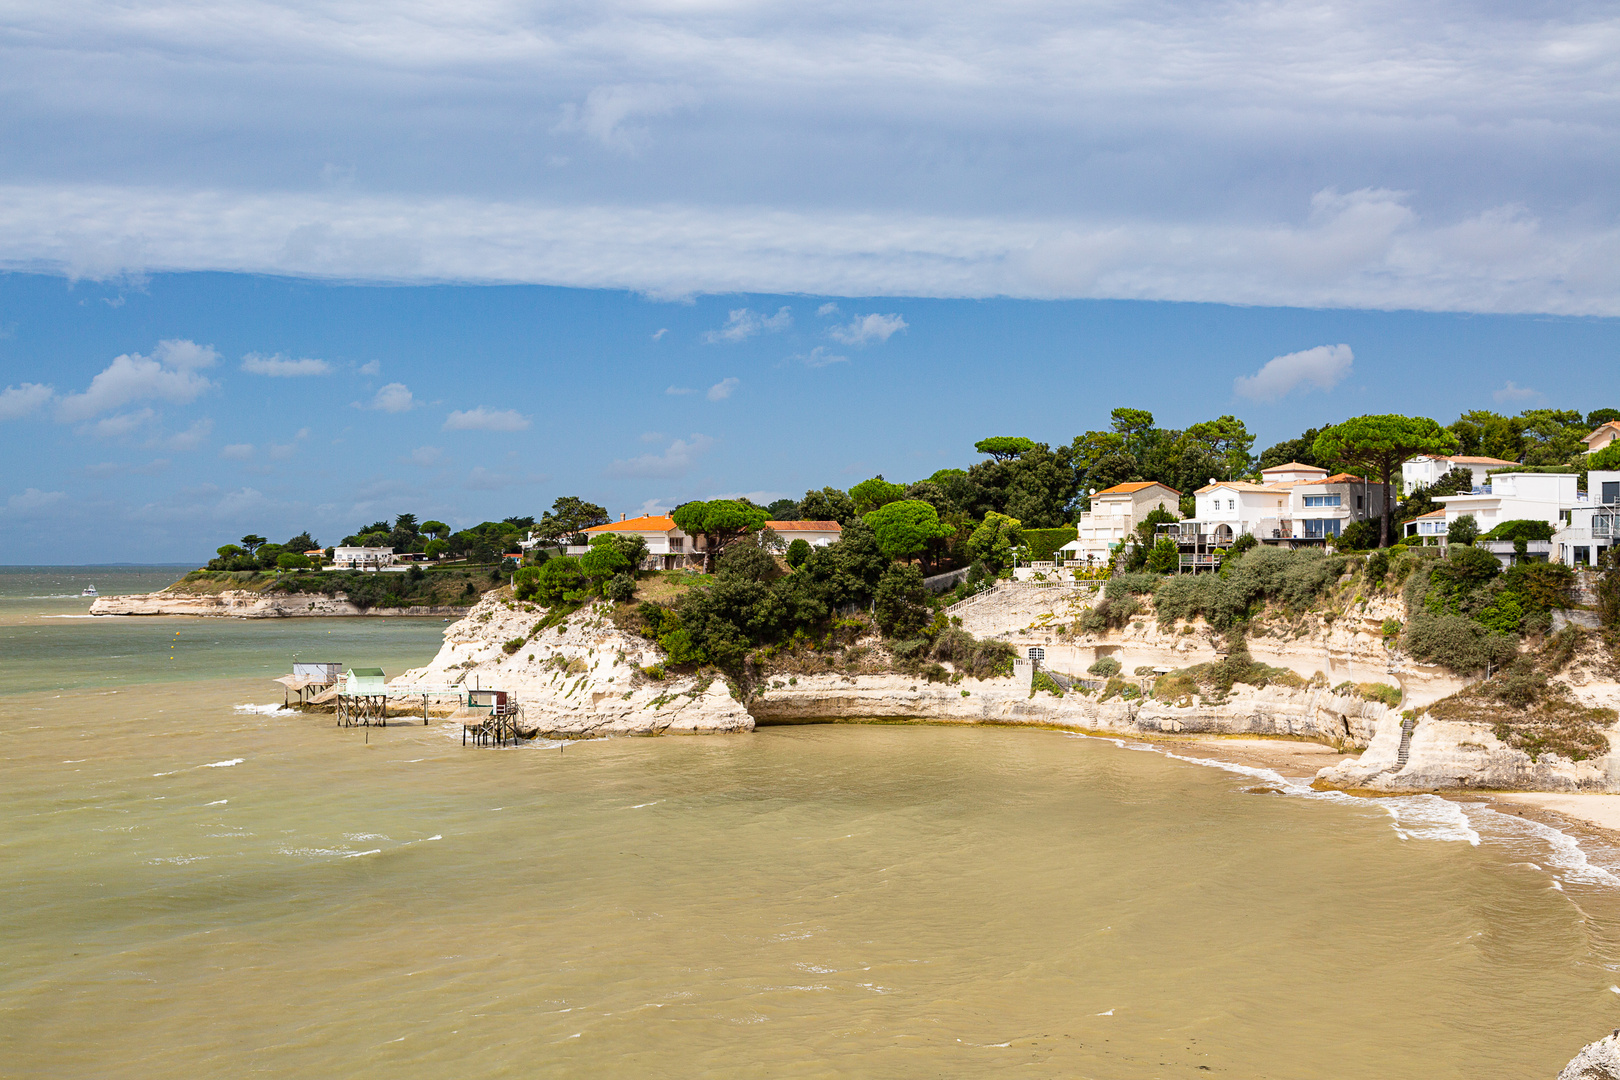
(1042, 543)
(1042, 681)
(1106, 667)
(1121, 585)
(1456, 642)
(513, 645)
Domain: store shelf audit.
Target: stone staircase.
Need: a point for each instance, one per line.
(1407, 726)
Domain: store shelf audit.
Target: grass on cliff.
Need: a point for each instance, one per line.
(1529, 709)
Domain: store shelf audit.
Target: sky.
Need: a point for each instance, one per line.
(267, 266)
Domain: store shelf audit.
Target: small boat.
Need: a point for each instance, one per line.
(89, 590)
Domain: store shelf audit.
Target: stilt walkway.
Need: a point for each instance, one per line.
(499, 728)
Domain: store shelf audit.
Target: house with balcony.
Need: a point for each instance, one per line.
(1113, 516)
(1293, 513)
(1522, 496)
(1591, 527)
(668, 548)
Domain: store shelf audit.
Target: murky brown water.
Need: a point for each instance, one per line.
(193, 891)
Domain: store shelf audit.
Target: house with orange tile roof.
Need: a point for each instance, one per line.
(1113, 516)
(668, 548)
(814, 533)
(1290, 513)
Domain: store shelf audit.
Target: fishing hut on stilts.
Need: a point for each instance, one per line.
(362, 698)
(308, 681)
(493, 718)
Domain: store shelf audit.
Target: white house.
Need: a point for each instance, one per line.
(1430, 526)
(814, 533)
(362, 558)
(1516, 497)
(1425, 469)
(1113, 516)
(668, 548)
(1603, 436)
(1592, 527)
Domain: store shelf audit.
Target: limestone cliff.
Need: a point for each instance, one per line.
(1307, 714)
(1596, 1061)
(246, 604)
(580, 678)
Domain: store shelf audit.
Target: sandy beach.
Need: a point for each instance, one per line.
(1293, 758)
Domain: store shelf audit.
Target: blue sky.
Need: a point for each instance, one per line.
(280, 404)
(1024, 213)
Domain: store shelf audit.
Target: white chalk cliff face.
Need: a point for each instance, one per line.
(578, 679)
(1596, 1061)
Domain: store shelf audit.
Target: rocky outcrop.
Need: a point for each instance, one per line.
(1596, 1061)
(1305, 714)
(581, 678)
(245, 604)
(1449, 755)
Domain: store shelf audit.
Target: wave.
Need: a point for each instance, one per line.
(271, 709)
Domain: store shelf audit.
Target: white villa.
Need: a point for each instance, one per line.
(1310, 509)
(362, 558)
(1425, 469)
(1113, 516)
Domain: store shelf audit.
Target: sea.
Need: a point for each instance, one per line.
(200, 882)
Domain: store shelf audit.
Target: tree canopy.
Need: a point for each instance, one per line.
(1002, 447)
(876, 492)
(907, 528)
(1376, 445)
(720, 522)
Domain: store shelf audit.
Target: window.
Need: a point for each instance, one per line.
(1321, 528)
(1322, 500)
(1231, 504)
(1361, 502)
(1583, 556)
(677, 543)
(1611, 491)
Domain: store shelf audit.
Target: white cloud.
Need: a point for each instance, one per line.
(116, 427)
(169, 374)
(189, 439)
(237, 452)
(722, 389)
(676, 460)
(373, 367)
(1512, 394)
(17, 402)
(678, 391)
(661, 332)
(279, 366)
(1321, 368)
(426, 456)
(742, 324)
(606, 109)
(394, 398)
(1168, 151)
(282, 451)
(653, 507)
(864, 329)
(829, 308)
(483, 479)
(33, 502)
(484, 419)
(820, 356)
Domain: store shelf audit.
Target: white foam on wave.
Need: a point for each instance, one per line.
(217, 802)
(271, 709)
(358, 854)
(223, 764)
